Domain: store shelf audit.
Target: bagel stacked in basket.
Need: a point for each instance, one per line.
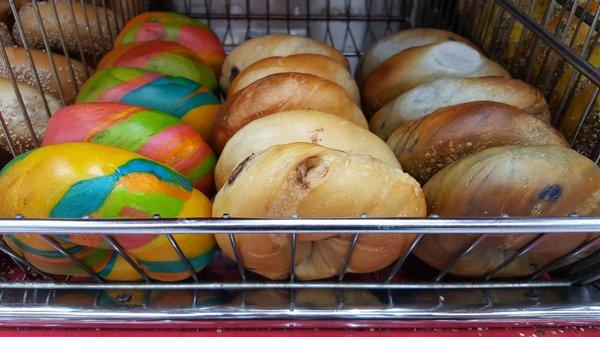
(135, 145)
(293, 141)
(480, 143)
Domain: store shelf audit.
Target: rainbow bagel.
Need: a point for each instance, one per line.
(76, 179)
(165, 26)
(153, 134)
(194, 104)
(163, 57)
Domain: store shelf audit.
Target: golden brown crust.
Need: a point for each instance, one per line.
(282, 92)
(299, 126)
(310, 180)
(517, 181)
(257, 49)
(426, 98)
(419, 65)
(97, 40)
(427, 145)
(23, 72)
(313, 64)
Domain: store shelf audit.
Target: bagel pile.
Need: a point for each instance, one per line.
(294, 141)
(135, 145)
(430, 126)
(481, 145)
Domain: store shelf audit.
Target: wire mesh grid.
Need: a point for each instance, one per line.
(549, 55)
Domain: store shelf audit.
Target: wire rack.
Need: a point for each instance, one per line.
(547, 43)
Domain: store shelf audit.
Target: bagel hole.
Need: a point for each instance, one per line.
(309, 171)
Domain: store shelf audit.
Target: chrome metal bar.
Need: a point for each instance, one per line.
(117, 247)
(562, 37)
(522, 251)
(238, 256)
(308, 225)
(584, 247)
(588, 107)
(562, 49)
(63, 44)
(585, 263)
(49, 52)
(9, 139)
(109, 24)
(413, 244)
(464, 253)
(90, 33)
(293, 257)
(521, 43)
(347, 257)
(182, 257)
(36, 76)
(70, 256)
(282, 285)
(78, 39)
(596, 152)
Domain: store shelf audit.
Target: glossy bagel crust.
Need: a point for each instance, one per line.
(282, 92)
(419, 65)
(299, 126)
(426, 98)
(387, 47)
(427, 145)
(310, 180)
(313, 64)
(517, 181)
(256, 49)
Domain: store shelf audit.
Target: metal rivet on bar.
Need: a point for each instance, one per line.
(464, 253)
(529, 246)
(117, 247)
(71, 257)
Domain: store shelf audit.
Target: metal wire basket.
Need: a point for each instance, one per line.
(544, 42)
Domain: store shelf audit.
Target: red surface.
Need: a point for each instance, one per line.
(481, 332)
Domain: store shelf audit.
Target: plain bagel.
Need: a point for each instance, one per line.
(427, 145)
(310, 180)
(419, 65)
(517, 181)
(313, 64)
(257, 49)
(387, 47)
(23, 72)
(299, 126)
(426, 98)
(283, 92)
